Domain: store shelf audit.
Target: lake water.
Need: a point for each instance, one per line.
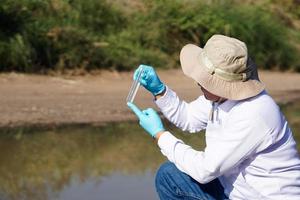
(111, 162)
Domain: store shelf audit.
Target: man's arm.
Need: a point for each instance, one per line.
(224, 150)
(190, 117)
(158, 96)
(157, 136)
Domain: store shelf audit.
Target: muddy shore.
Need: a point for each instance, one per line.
(95, 99)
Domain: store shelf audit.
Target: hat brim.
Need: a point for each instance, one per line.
(193, 67)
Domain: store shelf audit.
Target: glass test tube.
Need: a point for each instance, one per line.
(134, 87)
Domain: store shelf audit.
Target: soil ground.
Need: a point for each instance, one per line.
(96, 99)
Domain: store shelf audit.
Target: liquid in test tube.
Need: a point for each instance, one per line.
(134, 87)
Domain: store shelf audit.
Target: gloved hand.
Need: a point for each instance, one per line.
(149, 119)
(150, 80)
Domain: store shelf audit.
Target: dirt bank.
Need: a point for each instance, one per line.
(35, 99)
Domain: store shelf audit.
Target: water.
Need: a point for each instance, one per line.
(115, 186)
(111, 162)
(116, 161)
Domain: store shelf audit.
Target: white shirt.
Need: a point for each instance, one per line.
(249, 146)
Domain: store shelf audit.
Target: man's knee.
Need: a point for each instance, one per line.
(164, 172)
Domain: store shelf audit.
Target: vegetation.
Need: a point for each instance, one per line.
(43, 35)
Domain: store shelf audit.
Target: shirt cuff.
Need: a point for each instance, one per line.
(167, 143)
(165, 100)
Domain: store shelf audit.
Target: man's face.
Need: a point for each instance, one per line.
(209, 96)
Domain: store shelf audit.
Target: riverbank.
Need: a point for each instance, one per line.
(94, 99)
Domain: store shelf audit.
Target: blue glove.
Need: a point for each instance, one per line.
(149, 119)
(150, 80)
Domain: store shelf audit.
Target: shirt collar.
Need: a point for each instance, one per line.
(227, 105)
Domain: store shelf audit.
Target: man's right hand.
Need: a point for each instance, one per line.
(150, 80)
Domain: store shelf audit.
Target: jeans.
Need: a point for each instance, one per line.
(172, 184)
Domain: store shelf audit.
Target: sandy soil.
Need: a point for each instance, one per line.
(48, 100)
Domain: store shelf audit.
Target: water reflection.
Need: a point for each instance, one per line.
(115, 161)
(116, 186)
(107, 162)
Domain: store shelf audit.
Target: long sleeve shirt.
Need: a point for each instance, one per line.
(249, 146)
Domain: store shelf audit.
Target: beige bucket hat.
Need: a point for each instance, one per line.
(222, 67)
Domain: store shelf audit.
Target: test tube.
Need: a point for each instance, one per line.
(134, 87)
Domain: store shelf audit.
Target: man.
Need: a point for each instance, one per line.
(250, 151)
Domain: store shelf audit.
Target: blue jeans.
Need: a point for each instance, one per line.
(172, 184)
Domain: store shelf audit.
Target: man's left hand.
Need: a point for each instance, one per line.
(149, 119)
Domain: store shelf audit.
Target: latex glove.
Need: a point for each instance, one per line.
(149, 119)
(150, 80)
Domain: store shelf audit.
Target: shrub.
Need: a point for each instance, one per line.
(267, 38)
(41, 35)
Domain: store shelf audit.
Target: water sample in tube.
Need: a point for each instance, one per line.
(134, 87)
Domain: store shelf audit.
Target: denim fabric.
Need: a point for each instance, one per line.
(172, 184)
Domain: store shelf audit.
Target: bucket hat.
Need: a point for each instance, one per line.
(222, 67)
